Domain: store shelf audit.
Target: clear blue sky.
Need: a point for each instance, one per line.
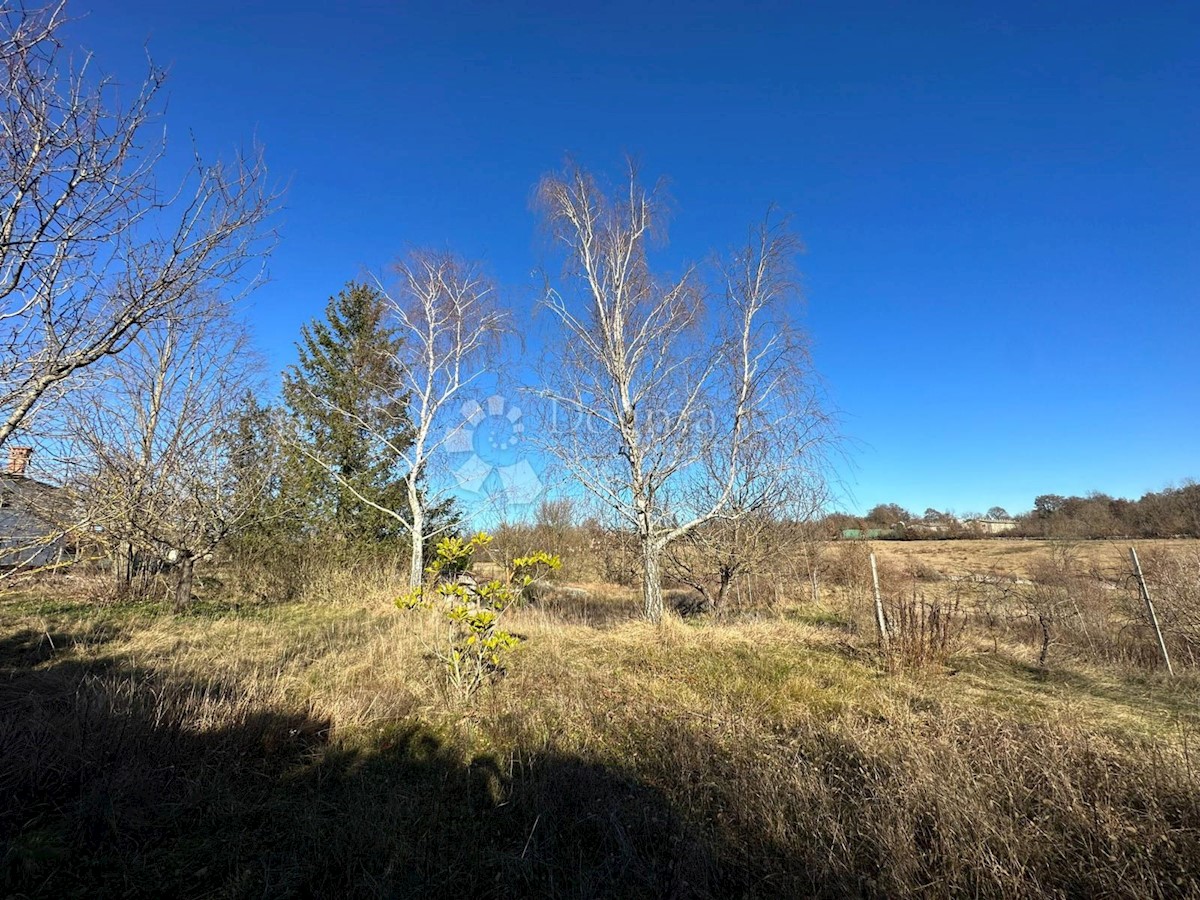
(1001, 202)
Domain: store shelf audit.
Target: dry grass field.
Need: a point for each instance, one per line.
(1019, 557)
(311, 748)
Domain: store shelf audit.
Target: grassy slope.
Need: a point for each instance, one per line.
(309, 750)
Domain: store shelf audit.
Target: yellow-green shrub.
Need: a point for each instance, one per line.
(476, 645)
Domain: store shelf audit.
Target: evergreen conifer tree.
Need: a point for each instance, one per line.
(349, 414)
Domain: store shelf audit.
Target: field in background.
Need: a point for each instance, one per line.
(1020, 557)
(310, 747)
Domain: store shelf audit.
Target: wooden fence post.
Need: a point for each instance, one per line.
(879, 620)
(1162, 644)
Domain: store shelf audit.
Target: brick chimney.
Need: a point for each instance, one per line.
(18, 459)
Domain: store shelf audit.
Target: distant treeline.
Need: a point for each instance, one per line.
(1172, 512)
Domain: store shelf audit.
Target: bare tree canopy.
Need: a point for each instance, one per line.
(154, 444)
(92, 249)
(684, 413)
(781, 534)
(449, 322)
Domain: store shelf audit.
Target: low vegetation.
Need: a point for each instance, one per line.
(309, 747)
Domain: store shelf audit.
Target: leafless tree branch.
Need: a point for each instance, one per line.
(92, 251)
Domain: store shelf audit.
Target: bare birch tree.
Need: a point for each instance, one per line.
(444, 311)
(153, 445)
(681, 418)
(92, 250)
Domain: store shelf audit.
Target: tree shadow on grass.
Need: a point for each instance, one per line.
(123, 781)
(27, 648)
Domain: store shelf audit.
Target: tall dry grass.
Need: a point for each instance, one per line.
(309, 748)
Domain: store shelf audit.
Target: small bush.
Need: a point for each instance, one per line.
(923, 631)
(476, 645)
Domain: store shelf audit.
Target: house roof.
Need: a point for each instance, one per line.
(22, 487)
(28, 509)
(30, 497)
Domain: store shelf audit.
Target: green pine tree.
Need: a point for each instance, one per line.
(350, 418)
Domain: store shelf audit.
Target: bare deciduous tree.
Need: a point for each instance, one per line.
(444, 311)
(812, 532)
(681, 418)
(91, 249)
(1049, 597)
(711, 556)
(153, 445)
